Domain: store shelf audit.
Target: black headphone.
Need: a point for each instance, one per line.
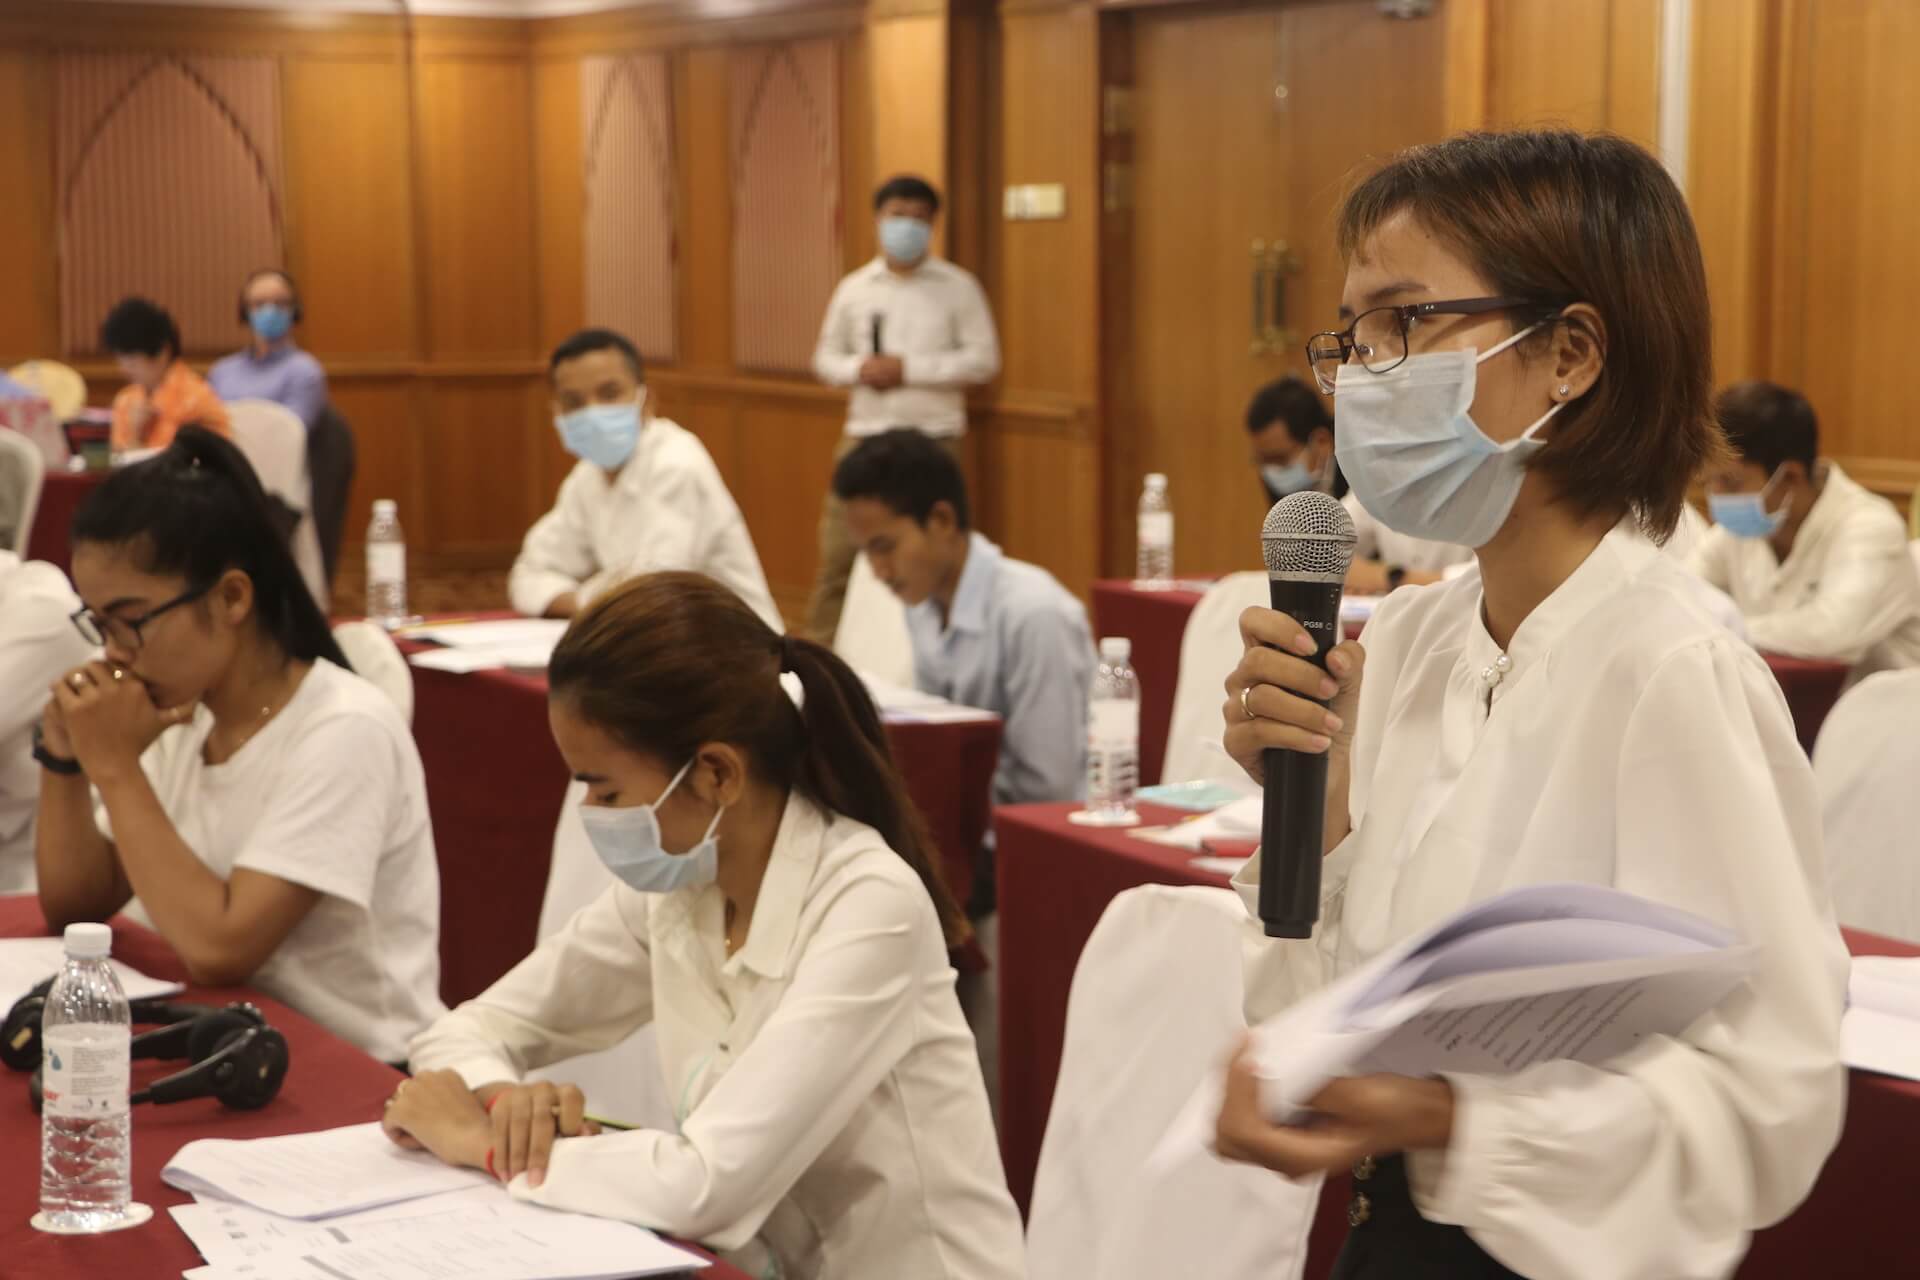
(237, 1057)
(292, 287)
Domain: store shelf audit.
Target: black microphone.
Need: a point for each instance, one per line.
(1307, 542)
(878, 321)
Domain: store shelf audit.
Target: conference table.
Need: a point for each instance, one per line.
(329, 1083)
(1155, 620)
(495, 785)
(1055, 880)
(61, 493)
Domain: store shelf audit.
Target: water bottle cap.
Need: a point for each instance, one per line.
(88, 940)
(1156, 480)
(1115, 649)
(384, 507)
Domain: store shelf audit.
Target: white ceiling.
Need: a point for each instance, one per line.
(421, 8)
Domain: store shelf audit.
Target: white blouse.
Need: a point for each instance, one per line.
(832, 1120)
(1633, 743)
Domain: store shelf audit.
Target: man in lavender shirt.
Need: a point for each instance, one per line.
(273, 368)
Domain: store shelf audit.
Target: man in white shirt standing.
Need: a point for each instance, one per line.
(38, 643)
(1819, 566)
(909, 332)
(645, 497)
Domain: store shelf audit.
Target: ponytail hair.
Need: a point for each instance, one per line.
(667, 661)
(196, 510)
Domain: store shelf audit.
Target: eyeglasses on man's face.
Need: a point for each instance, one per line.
(1379, 337)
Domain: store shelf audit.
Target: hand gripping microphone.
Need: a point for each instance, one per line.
(1307, 542)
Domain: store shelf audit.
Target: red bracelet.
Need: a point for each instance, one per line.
(495, 1098)
(490, 1172)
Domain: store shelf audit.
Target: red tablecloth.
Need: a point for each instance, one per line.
(1055, 880)
(1157, 620)
(60, 496)
(495, 783)
(330, 1083)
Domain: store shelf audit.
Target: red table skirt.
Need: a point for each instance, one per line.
(1057, 878)
(495, 784)
(60, 496)
(330, 1083)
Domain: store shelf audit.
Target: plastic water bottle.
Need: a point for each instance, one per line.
(85, 1134)
(1113, 736)
(386, 566)
(1154, 565)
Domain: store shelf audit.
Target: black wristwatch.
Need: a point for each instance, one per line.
(1395, 577)
(50, 762)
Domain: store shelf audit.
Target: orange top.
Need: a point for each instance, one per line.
(182, 398)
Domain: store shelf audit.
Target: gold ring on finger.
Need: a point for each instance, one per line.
(77, 681)
(119, 674)
(1243, 702)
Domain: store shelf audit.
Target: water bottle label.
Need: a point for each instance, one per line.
(1113, 724)
(386, 562)
(87, 1071)
(1156, 528)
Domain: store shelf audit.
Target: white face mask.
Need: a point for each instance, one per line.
(628, 842)
(1415, 458)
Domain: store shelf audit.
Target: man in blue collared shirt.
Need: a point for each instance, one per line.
(988, 631)
(273, 367)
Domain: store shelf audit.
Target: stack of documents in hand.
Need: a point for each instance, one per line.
(347, 1202)
(1546, 972)
(485, 646)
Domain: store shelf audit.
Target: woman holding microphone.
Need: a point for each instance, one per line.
(1525, 369)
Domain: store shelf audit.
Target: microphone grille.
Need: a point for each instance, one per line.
(1308, 537)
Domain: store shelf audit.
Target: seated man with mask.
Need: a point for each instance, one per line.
(1292, 437)
(645, 497)
(273, 367)
(1818, 566)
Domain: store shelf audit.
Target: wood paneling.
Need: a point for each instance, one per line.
(29, 321)
(483, 439)
(907, 71)
(702, 114)
(560, 199)
(1590, 64)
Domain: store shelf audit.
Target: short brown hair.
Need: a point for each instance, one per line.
(1566, 217)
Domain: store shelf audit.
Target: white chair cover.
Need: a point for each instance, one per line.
(1865, 765)
(376, 659)
(872, 635)
(275, 442)
(1155, 1008)
(22, 471)
(1209, 651)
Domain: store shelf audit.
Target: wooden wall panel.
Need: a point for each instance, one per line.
(626, 114)
(560, 199)
(1587, 64)
(483, 440)
(706, 319)
(907, 67)
(381, 410)
(29, 323)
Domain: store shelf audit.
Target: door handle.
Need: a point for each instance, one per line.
(1280, 263)
(1258, 329)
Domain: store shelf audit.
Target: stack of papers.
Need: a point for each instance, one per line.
(27, 962)
(900, 705)
(486, 646)
(1881, 1029)
(1237, 821)
(347, 1202)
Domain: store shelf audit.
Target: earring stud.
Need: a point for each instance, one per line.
(1565, 391)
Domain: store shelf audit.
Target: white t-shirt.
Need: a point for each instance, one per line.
(330, 795)
(37, 644)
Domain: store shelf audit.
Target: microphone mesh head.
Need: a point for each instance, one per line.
(1308, 537)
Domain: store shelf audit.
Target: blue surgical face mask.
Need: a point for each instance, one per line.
(1745, 515)
(628, 842)
(1285, 481)
(603, 434)
(905, 239)
(1415, 457)
(270, 321)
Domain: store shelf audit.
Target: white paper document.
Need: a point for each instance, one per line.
(1881, 1029)
(1545, 972)
(477, 1234)
(901, 705)
(487, 646)
(1237, 821)
(314, 1175)
(27, 962)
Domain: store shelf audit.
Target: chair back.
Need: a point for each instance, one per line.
(275, 442)
(1155, 1008)
(1210, 649)
(22, 472)
(377, 659)
(1864, 766)
(872, 635)
(60, 384)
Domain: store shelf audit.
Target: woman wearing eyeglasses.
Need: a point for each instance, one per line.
(261, 806)
(1526, 371)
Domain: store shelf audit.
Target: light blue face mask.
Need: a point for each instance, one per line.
(1282, 482)
(905, 239)
(270, 321)
(1745, 515)
(628, 842)
(603, 434)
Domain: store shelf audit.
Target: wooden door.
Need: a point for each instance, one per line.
(1248, 126)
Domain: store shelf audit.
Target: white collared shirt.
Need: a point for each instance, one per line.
(936, 319)
(1848, 590)
(667, 509)
(833, 1123)
(1374, 541)
(37, 644)
(1016, 643)
(1632, 743)
(1866, 764)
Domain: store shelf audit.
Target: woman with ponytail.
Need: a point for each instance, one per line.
(260, 805)
(779, 919)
